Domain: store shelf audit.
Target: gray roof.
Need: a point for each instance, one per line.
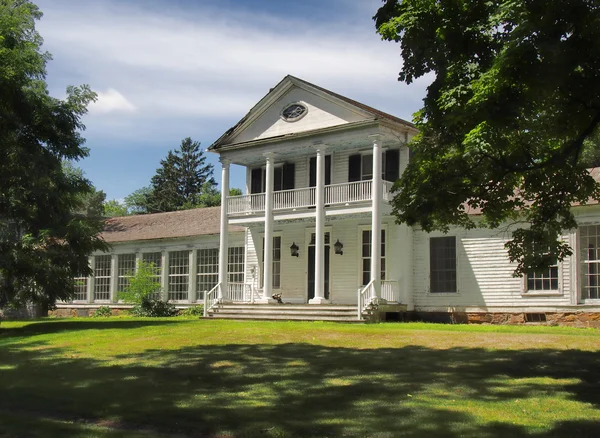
(172, 225)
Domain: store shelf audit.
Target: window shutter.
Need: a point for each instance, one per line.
(256, 180)
(354, 167)
(278, 179)
(312, 172)
(392, 165)
(289, 176)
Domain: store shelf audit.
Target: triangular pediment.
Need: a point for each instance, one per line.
(324, 109)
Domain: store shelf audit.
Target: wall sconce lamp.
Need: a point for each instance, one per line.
(339, 246)
(294, 250)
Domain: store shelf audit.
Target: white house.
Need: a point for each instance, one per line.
(315, 226)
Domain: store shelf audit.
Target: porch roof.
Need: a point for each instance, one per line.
(184, 223)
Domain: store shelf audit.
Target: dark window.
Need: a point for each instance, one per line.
(543, 279)
(360, 166)
(283, 178)
(442, 264)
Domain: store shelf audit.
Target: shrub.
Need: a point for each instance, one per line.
(193, 311)
(143, 291)
(102, 312)
(154, 308)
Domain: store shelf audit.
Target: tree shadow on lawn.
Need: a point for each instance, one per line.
(308, 390)
(72, 324)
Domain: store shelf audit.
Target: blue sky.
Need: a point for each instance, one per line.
(166, 70)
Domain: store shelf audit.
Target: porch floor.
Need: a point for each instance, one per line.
(292, 312)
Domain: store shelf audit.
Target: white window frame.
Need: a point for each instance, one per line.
(102, 287)
(457, 242)
(239, 275)
(212, 257)
(184, 273)
(262, 271)
(583, 264)
(385, 275)
(525, 291)
(125, 272)
(80, 287)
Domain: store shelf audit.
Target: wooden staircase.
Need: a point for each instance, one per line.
(286, 312)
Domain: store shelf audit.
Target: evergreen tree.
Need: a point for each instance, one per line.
(182, 181)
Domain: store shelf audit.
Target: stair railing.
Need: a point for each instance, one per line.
(365, 296)
(211, 298)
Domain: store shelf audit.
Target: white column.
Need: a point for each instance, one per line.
(91, 280)
(114, 277)
(376, 195)
(320, 229)
(164, 278)
(224, 236)
(193, 280)
(268, 247)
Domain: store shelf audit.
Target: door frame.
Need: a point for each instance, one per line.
(307, 232)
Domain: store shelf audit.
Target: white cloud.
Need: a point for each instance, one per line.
(111, 101)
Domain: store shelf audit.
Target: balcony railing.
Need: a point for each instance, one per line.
(335, 194)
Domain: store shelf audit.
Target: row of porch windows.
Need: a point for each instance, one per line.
(178, 273)
(443, 272)
(360, 168)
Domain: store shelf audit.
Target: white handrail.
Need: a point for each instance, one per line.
(345, 193)
(294, 198)
(363, 299)
(209, 299)
(390, 290)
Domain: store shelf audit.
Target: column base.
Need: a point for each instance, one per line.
(318, 300)
(378, 301)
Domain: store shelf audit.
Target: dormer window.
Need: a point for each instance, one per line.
(294, 112)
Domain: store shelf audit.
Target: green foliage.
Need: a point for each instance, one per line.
(143, 291)
(114, 208)
(142, 285)
(193, 311)
(137, 202)
(91, 203)
(184, 180)
(102, 312)
(154, 308)
(46, 232)
(503, 129)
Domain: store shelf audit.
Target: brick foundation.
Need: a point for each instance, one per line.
(571, 319)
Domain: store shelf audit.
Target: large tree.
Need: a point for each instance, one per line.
(515, 93)
(181, 180)
(44, 237)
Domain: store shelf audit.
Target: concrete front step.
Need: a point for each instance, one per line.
(299, 312)
(298, 317)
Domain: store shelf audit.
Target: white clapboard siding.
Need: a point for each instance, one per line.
(484, 274)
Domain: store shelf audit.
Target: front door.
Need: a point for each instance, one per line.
(311, 265)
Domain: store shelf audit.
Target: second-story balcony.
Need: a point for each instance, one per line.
(345, 194)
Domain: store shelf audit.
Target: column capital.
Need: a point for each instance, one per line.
(225, 161)
(375, 138)
(269, 155)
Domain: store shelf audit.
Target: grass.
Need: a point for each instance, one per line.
(126, 377)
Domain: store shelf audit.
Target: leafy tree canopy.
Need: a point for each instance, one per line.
(515, 95)
(113, 208)
(44, 239)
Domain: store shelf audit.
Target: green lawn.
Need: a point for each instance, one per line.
(176, 377)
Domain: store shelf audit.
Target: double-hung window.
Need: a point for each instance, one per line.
(442, 265)
(366, 256)
(589, 262)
